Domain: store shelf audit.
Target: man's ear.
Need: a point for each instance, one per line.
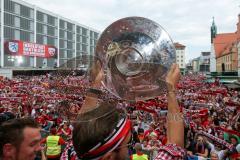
(8, 150)
(109, 156)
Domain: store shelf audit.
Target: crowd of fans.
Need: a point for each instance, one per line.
(211, 113)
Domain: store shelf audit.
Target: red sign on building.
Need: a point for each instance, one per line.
(21, 48)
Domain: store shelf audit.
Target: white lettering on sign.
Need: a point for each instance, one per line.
(31, 49)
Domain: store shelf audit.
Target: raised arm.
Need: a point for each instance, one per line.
(175, 125)
(91, 100)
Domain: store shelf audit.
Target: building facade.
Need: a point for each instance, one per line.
(196, 64)
(238, 52)
(31, 25)
(205, 62)
(228, 61)
(180, 55)
(225, 47)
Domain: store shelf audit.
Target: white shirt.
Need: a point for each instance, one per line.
(33, 113)
(219, 153)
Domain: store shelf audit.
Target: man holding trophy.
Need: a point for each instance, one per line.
(134, 61)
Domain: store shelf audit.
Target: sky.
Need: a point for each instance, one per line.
(187, 21)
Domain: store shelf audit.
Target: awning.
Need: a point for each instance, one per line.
(232, 86)
(221, 80)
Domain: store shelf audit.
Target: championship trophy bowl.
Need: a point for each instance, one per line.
(135, 54)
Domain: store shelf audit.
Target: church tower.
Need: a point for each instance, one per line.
(213, 30)
(213, 64)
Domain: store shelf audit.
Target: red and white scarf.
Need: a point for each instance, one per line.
(111, 142)
(216, 139)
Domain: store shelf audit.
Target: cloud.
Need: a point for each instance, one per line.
(187, 21)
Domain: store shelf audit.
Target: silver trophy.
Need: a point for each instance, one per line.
(135, 54)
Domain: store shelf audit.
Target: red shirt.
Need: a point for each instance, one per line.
(206, 123)
(67, 131)
(147, 132)
(40, 119)
(164, 140)
(59, 120)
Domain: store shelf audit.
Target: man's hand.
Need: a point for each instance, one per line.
(97, 74)
(189, 153)
(99, 78)
(173, 77)
(175, 127)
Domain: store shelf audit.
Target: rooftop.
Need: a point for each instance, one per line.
(223, 41)
(179, 46)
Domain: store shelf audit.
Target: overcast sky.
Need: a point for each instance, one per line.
(187, 21)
